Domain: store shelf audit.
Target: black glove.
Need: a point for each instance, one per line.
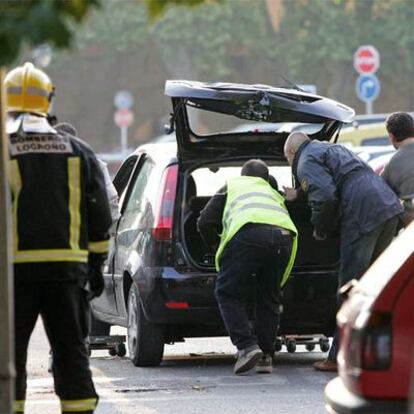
(96, 281)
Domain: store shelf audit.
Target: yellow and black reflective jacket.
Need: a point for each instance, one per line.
(60, 206)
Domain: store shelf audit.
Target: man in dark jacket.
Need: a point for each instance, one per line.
(344, 194)
(256, 253)
(399, 173)
(61, 221)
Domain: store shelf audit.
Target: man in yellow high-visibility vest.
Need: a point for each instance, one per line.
(258, 242)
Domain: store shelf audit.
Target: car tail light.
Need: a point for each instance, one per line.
(370, 346)
(176, 305)
(163, 223)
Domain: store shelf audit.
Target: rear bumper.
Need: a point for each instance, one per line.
(339, 400)
(193, 295)
(309, 302)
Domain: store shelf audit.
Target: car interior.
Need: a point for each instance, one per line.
(202, 183)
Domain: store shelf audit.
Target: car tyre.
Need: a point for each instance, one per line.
(145, 339)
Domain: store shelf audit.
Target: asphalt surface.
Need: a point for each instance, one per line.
(194, 378)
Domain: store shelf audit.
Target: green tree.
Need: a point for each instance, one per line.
(36, 22)
(219, 42)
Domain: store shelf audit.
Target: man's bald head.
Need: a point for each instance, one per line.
(292, 144)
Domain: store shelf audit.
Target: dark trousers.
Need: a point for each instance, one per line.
(64, 309)
(251, 269)
(356, 258)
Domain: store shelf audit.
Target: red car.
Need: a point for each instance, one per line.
(377, 336)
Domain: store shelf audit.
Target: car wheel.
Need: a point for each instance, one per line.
(97, 327)
(145, 339)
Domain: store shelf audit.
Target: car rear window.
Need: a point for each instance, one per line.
(204, 123)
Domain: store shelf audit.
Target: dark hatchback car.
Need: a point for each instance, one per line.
(159, 279)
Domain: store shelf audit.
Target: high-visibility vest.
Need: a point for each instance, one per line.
(253, 200)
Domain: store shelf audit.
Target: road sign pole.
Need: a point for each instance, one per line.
(369, 108)
(124, 139)
(7, 372)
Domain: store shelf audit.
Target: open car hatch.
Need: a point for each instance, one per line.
(196, 102)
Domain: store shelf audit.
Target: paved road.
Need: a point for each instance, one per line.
(194, 378)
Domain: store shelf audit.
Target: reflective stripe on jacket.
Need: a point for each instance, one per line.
(252, 200)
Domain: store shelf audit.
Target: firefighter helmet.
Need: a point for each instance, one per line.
(28, 89)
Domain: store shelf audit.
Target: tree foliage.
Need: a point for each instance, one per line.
(51, 21)
(215, 37)
(156, 8)
(36, 22)
(308, 41)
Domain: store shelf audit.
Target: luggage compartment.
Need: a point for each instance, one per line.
(309, 297)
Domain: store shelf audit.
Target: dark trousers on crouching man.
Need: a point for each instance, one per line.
(253, 263)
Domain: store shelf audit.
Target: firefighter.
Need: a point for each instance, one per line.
(343, 194)
(61, 219)
(256, 253)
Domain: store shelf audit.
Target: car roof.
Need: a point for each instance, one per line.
(165, 152)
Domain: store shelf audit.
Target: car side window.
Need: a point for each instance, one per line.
(122, 177)
(136, 197)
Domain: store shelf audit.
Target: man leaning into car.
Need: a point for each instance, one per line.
(255, 256)
(343, 194)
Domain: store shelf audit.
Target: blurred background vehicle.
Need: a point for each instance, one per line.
(364, 135)
(371, 153)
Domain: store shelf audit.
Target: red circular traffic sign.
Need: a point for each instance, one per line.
(123, 118)
(366, 59)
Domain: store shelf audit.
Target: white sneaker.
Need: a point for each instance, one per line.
(265, 365)
(247, 359)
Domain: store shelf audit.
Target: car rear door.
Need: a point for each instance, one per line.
(192, 101)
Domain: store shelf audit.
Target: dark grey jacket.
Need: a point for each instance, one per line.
(399, 174)
(342, 191)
